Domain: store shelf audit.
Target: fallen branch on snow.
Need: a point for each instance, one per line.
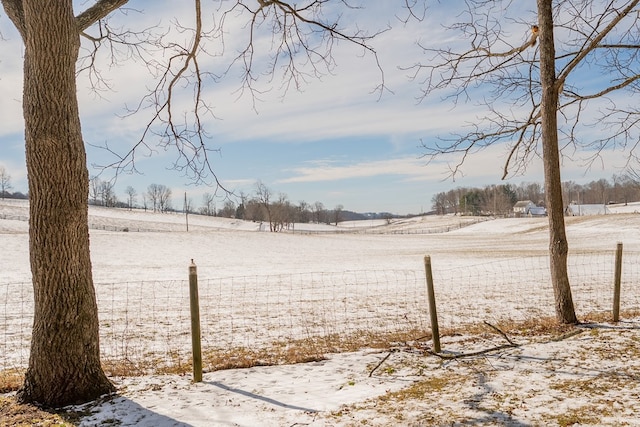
(450, 356)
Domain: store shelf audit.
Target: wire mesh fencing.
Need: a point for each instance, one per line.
(255, 311)
(148, 322)
(520, 288)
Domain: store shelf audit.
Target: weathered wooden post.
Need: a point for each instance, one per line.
(435, 331)
(195, 323)
(617, 284)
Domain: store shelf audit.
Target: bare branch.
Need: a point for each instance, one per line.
(594, 39)
(627, 82)
(187, 138)
(98, 11)
(121, 46)
(302, 43)
(302, 40)
(602, 38)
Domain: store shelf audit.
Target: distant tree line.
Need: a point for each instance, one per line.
(498, 200)
(157, 197)
(276, 211)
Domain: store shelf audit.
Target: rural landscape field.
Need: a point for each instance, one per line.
(348, 303)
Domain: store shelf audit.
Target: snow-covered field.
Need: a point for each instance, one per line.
(259, 286)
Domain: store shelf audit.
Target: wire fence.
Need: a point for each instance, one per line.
(96, 225)
(150, 320)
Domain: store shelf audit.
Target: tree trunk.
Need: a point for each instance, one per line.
(558, 246)
(64, 365)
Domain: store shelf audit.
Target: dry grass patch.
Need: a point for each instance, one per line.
(126, 367)
(540, 326)
(577, 417)
(599, 385)
(425, 387)
(277, 353)
(11, 380)
(303, 350)
(14, 414)
(605, 317)
(588, 386)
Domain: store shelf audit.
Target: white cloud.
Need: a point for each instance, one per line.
(325, 171)
(486, 165)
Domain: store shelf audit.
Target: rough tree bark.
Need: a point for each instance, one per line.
(64, 364)
(558, 245)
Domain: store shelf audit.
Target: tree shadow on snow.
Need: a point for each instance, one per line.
(624, 325)
(116, 410)
(475, 403)
(258, 397)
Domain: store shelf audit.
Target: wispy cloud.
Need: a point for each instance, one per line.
(327, 171)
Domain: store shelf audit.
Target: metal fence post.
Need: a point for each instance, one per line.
(195, 323)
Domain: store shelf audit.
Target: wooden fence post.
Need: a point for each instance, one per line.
(195, 323)
(435, 331)
(616, 284)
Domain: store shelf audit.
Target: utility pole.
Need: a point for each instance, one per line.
(186, 210)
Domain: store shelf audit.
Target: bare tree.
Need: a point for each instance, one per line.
(632, 184)
(131, 196)
(304, 212)
(319, 212)
(208, 204)
(228, 210)
(282, 213)
(263, 197)
(254, 211)
(5, 182)
(453, 202)
(107, 194)
(153, 195)
(439, 203)
(188, 206)
(337, 214)
(95, 188)
(159, 196)
(164, 199)
(511, 65)
(600, 189)
(242, 206)
(64, 365)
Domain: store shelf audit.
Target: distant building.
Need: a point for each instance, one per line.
(522, 207)
(581, 210)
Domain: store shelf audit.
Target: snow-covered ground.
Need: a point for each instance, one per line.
(484, 270)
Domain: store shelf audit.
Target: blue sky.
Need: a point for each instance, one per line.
(335, 140)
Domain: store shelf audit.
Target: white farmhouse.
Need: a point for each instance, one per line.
(523, 207)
